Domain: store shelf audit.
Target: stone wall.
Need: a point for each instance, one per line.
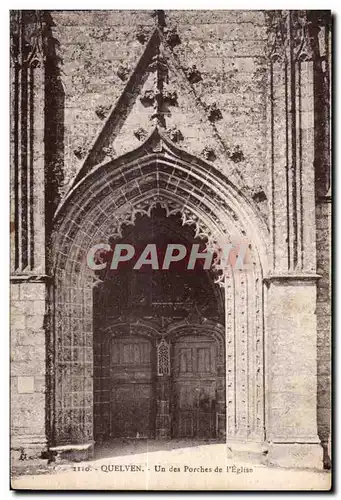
(228, 50)
(28, 369)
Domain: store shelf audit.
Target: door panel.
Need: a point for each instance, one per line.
(194, 375)
(131, 411)
(132, 388)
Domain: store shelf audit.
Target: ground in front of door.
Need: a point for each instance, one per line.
(177, 465)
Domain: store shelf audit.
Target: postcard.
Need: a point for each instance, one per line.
(170, 180)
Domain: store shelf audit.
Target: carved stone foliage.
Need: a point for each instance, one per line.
(172, 36)
(193, 74)
(80, 152)
(171, 208)
(277, 34)
(214, 113)
(235, 154)
(301, 28)
(175, 134)
(163, 358)
(102, 111)
(141, 34)
(208, 153)
(140, 134)
(109, 152)
(123, 72)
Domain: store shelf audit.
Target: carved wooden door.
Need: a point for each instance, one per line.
(194, 395)
(132, 388)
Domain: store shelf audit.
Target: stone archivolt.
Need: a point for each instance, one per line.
(111, 196)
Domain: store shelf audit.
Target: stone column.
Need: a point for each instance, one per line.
(28, 278)
(290, 351)
(244, 360)
(291, 380)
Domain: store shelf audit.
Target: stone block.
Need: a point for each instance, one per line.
(34, 322)
(25, 385)
(14, 291)
(18, 321)
(32, 291)
(295, 455)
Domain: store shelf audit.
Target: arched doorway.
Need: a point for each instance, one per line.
(106, 200)
(146, 366)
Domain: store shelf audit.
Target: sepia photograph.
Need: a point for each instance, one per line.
(170, 234)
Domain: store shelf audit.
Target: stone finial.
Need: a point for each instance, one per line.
(140, 134)
(193, 74)
(175, 134)
(214, 113)
(102, 111)
(208, 153)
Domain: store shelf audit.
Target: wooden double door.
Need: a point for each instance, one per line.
(190, 390)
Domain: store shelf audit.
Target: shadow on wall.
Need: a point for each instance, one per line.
(322, 162)
(54, 123)
(54, 162)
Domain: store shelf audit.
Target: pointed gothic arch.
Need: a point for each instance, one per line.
(95, 209)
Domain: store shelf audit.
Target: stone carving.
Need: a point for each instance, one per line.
(140, 134)
(258, 195)
(235, 154)
(158, 97)
(193, 74)
(109, 152)
(277, 34)
(175, 134)
(163, 358)
(170, 97)
(301, 28)
(214, 113)
(208, 153)
(123, 72)
(28, 44)
(172, 37)
(147, 97)
(141, 35)
(289, 35)
(172, 208)
(102, 111)
(80, 152)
